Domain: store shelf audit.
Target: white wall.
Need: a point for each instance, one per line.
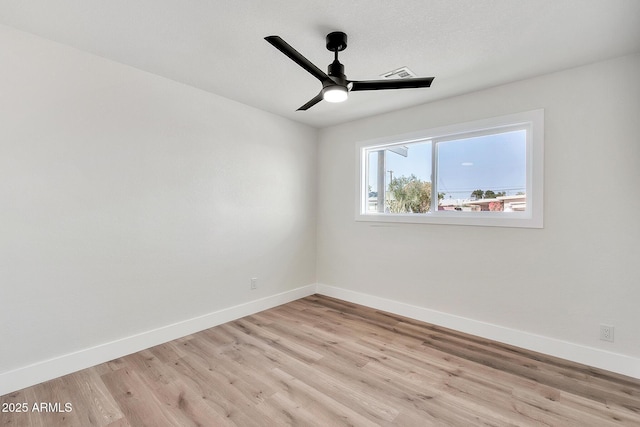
(129, 202)
(559, 282)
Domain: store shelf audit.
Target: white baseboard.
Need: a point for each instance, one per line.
(36, 373)
(590, 356)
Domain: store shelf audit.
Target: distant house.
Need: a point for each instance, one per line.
(501, 203)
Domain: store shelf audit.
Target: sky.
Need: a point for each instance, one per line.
(492, 162)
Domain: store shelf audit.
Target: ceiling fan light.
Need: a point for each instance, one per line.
(335, 93)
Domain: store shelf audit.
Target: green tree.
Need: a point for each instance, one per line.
(477, 194)
(489, 194)
(409, 195)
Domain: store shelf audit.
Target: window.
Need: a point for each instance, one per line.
(487, 172)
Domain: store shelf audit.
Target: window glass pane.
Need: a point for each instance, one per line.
(404, 174)
(484, 173)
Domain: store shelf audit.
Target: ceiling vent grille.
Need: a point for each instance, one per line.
(399, 73)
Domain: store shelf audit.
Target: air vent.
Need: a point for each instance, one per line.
(399, 73)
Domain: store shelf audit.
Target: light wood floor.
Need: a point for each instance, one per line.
(324, 362)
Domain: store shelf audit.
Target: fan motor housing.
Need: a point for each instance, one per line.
(336, 70)
(336, 41)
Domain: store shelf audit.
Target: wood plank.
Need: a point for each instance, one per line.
(137, 401)
(103, 409)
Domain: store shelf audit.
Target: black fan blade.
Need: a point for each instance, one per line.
(311, 103)
(392, 84)
(297, 57)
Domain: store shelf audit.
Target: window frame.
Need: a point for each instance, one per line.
(532, 217)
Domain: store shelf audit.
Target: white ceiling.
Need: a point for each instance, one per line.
(218, 45)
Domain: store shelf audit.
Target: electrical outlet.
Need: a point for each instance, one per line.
(254, 283)
(606, 333)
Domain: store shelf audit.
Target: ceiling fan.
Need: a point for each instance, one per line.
(335, 86)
